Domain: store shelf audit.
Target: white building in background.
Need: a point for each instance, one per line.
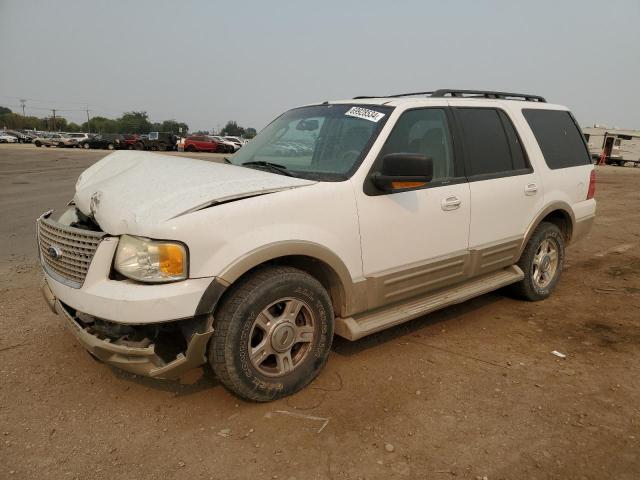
(618, 146)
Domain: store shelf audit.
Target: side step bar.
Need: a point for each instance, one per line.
(356, 327)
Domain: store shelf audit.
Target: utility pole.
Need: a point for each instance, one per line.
(88, 121)
(23, 102)
(54, 119)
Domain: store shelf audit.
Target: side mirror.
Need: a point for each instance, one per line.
(403, 171)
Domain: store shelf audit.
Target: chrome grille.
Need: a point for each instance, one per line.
(66, 252)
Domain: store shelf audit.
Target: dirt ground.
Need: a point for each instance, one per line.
(470, 392)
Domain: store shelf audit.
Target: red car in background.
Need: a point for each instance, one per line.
(200, 143)
(129, 140)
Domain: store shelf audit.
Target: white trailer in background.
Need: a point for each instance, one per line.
(618, 146)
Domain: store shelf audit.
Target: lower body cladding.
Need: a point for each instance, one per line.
(161, 350)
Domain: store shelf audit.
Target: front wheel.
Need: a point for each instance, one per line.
(38, 144)
(541, 262)
(272, 334)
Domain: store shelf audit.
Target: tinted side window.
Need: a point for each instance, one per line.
(486, 147)
(559, 138)
(424, 131)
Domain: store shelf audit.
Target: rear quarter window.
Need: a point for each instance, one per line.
(559, 137)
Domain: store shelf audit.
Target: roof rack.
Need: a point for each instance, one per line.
(488, 94)
(466, 94)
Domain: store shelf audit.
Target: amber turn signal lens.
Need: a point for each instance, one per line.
(171, 259)
(398, 185)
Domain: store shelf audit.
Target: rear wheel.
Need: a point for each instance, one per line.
(86, 145)
(190, 148)
(139, 146)
(60, 145)
(272, 334)
(541, 262)
(38, 144)
(111, 146)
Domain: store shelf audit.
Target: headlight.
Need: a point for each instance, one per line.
(151, 261)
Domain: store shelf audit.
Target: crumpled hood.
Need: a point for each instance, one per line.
(129, 191)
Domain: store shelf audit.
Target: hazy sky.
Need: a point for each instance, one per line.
(206, 62)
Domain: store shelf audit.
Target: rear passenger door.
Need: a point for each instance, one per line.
(505, 190)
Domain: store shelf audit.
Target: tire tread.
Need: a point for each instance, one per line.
(221, 355)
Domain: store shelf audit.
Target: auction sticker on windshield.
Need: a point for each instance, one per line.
(365, 114)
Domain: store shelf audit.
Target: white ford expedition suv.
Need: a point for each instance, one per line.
(342, 218)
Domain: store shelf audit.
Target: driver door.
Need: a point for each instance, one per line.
(416, 241)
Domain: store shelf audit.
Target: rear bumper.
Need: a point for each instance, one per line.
(582, 227)
(585, 215)
(141, 360)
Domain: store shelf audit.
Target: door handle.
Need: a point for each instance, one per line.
(531, 189)
(450, 203)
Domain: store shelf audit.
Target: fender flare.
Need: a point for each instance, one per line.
(561, 206)
(342, 285)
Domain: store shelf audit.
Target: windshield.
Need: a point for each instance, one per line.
(323, 142)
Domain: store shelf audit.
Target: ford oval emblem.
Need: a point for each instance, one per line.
(94, 201)
(55, 252)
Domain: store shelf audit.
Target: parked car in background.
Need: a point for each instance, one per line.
(78, 136)
(226, 145)
(55, 140)
(201, 143)
(108, 141)
(235, 140)
(129, 140)
(21, 137)
(157, 141)
(7, 138)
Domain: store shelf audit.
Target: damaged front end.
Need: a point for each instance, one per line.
(163, 350)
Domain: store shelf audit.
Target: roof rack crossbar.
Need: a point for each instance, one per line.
(464, 93)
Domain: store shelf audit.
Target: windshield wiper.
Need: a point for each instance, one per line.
(273, 167)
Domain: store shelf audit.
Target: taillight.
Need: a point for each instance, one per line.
(592, 185)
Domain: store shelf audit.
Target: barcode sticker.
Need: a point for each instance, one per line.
(365, 114)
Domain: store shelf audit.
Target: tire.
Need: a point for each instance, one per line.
(190, 148)
(111, 146)
(38, 144)
(139, 146)
(539, 283)
(86, 145)
(241, 324)
(60, 145)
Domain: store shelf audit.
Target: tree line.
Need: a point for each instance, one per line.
(129, 122)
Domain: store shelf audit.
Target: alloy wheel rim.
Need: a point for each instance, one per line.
(545, 263)
(281, 337)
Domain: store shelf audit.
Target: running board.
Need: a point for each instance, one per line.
(354, 328)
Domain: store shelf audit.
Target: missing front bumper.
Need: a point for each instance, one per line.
(141, 360)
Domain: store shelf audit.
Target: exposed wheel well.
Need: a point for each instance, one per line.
(318, 269)
(562, 220)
